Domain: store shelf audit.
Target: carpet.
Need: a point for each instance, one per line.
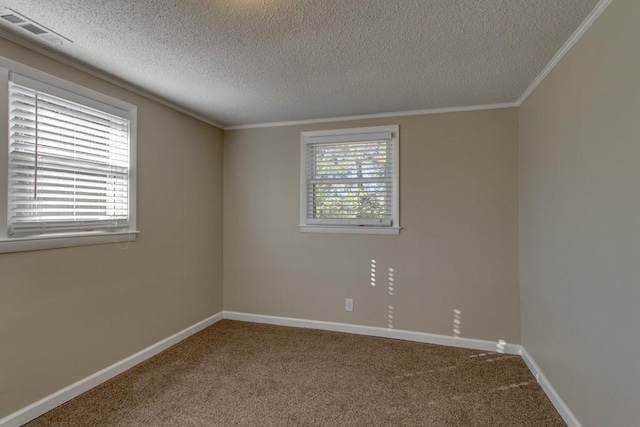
(245, 374)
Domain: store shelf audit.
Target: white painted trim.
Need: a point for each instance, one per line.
(73, 63)
(49, 83)
(64, 241)
(4, 148)
(46, 404)
(577, 34)
(356, 226)
(423, 337)
(40, 80)
(469, 343)
(551, 392)
(349, 230)
(586, 24)
(377, 116)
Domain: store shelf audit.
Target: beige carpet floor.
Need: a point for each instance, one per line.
(245, 374)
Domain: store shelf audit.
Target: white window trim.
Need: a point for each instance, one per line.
(72, 239)
(336, 134)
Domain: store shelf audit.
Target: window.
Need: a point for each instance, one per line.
(349, 181)
(69, 165)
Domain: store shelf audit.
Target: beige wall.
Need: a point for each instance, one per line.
(67, 313)
(458, 248)
(580, 222)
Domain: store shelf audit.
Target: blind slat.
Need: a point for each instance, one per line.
(69, 151)
(27, 111)
(24, 128)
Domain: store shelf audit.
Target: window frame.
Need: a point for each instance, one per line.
(332, 226)
(79, 94)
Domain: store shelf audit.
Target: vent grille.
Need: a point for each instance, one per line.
(35, 30)
(12, 19)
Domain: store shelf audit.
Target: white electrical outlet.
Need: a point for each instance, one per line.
(348, 304)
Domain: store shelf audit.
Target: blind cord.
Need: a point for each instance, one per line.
(128, 242)
(35, 178)
(41, 224)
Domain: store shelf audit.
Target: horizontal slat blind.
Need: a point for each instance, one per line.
(350, 181)
(68, 166)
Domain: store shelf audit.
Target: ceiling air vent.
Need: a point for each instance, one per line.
(12, 19)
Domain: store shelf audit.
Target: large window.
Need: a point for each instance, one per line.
(349, 181)
(69, 165)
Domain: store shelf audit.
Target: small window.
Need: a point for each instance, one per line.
(69, 165)
(349, 181)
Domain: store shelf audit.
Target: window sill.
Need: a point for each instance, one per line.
(64, 241)
(349, 230)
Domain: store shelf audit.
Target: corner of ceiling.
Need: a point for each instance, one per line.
(566, 47)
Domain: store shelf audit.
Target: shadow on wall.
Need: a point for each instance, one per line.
(500, 345)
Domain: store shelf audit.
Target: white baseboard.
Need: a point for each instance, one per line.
(46, 404)
(422, 337)
(373, 331)
(551, 392)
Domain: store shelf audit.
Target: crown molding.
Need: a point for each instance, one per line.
(577, 35)
(377, 116)
(566, 47)
(73, 63)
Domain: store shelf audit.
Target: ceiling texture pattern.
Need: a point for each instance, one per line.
(257, 61)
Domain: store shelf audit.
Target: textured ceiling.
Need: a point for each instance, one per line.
(255, 61)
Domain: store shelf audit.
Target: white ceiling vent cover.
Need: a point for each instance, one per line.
(12, 19)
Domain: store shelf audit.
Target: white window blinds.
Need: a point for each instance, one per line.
(68, 164)
(350, 179)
